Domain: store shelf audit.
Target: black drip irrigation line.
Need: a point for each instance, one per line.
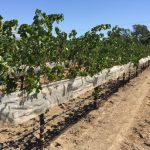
(74, 115)
(35, 129)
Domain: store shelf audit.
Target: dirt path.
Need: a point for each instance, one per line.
(118, 125)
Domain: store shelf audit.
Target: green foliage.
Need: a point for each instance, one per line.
(96, 93)
(44, 51)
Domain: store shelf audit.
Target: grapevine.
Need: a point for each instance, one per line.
(43, 53)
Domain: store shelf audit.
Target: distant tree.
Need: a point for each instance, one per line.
(142, 33)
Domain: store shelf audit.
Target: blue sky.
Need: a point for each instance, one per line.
(81, 14)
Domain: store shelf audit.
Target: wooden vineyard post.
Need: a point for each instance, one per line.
(129, 76)
(141, 68)
(123, 79)
(136, 73)
(22, 80)
(96, 94)
(42, 122)
(147, 64)
(117, 82)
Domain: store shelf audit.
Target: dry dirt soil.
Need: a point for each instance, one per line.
(121, 123)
